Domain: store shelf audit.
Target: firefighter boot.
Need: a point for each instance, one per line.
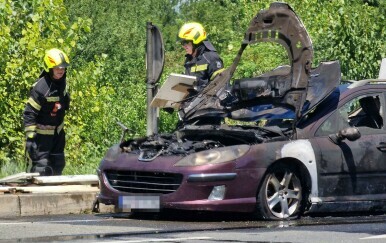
(41, 166)
(57, 163)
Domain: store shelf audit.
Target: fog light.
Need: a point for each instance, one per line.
(217, 193)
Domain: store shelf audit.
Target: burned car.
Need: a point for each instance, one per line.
(306, 143)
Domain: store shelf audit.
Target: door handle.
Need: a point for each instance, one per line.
(382, 147)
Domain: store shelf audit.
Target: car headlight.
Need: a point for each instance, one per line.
(214, 156)
(113, 153)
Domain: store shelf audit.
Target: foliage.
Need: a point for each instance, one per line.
(349, 31)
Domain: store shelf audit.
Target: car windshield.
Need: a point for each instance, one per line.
(269, 115)
(328, 104)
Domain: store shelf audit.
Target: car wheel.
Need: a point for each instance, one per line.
(280, 196)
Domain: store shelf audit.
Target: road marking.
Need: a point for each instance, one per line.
(161, 240)
(60, 221)
(374, 237)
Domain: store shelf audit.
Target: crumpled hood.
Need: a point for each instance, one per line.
(293, 89)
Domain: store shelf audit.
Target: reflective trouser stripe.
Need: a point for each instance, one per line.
(50, 131)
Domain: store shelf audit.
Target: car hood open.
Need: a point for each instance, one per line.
(288, 91)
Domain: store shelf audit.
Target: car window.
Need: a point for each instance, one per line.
(362, 111)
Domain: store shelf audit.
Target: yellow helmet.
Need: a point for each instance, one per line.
(55, 58)
(192, 32)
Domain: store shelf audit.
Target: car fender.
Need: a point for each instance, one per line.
(303, 151)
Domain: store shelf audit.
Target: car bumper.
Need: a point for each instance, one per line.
(238, 187)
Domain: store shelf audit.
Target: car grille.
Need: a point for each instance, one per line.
(144, 182)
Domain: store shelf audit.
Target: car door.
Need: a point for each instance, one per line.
(354, 170)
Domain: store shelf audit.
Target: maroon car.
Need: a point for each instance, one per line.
(293, 141)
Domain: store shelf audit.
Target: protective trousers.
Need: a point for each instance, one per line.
(50, 154)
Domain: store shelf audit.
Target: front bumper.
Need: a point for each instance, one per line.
(195, 188)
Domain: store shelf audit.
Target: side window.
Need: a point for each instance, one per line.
(366, 112)
(362, 111)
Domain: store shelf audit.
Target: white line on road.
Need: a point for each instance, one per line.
(374, 237)
(60, 221)
(160, 240)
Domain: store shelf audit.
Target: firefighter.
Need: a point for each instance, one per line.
(201, 60)
(44, 116)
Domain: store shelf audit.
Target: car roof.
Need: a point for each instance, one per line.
(354, 83)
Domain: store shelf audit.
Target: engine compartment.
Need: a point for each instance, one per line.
(191, 139)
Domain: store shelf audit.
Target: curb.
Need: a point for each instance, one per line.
(14, 205)
(28, 194)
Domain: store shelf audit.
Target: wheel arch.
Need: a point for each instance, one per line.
(304, 170)
(302, 174)
(299, 167)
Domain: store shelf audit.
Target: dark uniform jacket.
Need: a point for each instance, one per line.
(205, 66)
(47, 104)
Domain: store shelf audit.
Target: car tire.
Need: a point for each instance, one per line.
(281, 194)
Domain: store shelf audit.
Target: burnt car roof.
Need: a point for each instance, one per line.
(287, 91)
(323, 80)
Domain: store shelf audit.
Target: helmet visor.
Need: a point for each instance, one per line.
(62, 65)
(184, 42)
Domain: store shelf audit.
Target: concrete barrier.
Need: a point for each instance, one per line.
(48, 195)
(49, 204)
(10, 206)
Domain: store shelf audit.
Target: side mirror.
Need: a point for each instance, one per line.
(349, 133)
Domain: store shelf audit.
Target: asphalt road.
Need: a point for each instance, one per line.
(191, 227)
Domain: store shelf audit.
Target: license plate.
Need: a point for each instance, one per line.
(139, 203)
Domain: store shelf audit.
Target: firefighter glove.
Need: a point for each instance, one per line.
(31, 135)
